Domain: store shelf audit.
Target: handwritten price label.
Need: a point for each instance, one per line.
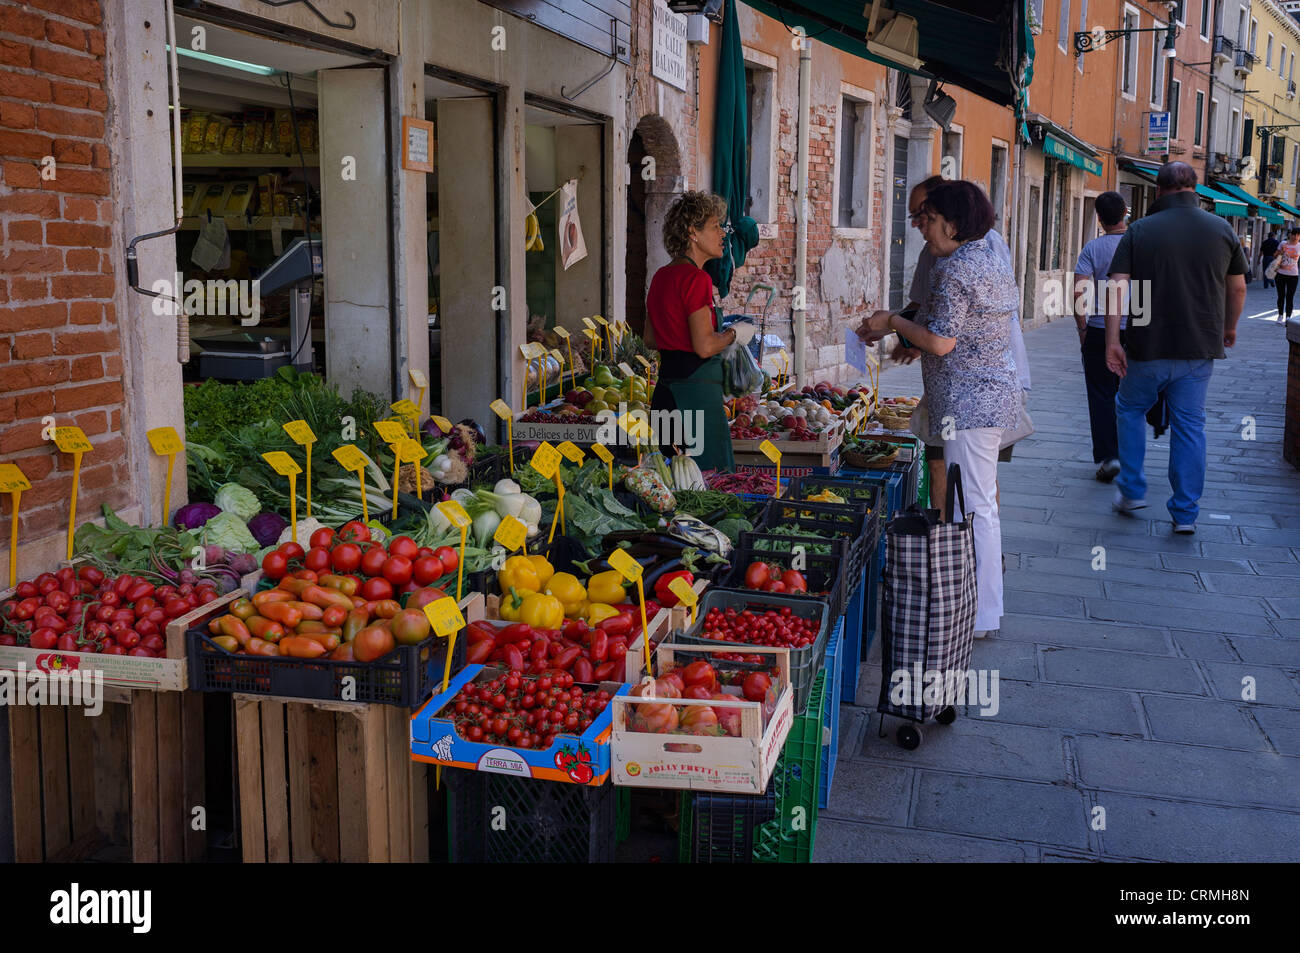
(626, 370)
(390, 431)
(12, 479)
(300, 432)
(71, 440)
(165, 441)
(445, 617)
(627, 567)
(683, 591)
(405, 408)
(443, 423)
(545, 459)
(418, 379)
(282, 463)
(644, 363)
(561, 333)
(501, 409)
(532, 350)
(409, 451)
(600, 450)
(510, 533)
(455, 514)
(571, 452)
(591, 325)
(350, 457)
(770, 451)
(601, 321)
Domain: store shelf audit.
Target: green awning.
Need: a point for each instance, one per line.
(1057, 149)
(1267, 213)
(1141, 171)
(1289, 209)
(1227, 207)
(962, 47)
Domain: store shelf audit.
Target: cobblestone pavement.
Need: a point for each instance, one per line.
(1126, 688)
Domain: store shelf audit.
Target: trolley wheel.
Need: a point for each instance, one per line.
(908, 737)
(947, 716)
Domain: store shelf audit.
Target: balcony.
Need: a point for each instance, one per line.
(1290, 90)
(1244, 61)
(1223, 48)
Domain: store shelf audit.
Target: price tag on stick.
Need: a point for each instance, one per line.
(13, 481)
(301, 433)
(421, 383)
(72, 440)
(286, 466)
(632, 571)
(502, 410)
(390, 431)
(511, 533)
(166, 443)
(685, 594)
(412, 452)
(773, 454)
(563, 334)
(545, 459)
(458, 518)
(442, 422)
(446, 619)
(570, 451)
(600, 450)
(350, 457)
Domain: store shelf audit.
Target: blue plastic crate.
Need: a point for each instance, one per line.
(831, 711)
(853, 636)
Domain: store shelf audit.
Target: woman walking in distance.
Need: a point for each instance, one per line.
(1288, 274)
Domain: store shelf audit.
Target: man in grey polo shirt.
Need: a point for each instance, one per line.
(1187, 277)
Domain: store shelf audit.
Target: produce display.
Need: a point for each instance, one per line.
(603, 390)
(83, 609)
(529, 712)
(775, 627)
(772, 577)
(700, 681)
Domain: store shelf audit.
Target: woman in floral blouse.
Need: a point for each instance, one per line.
(971, 389)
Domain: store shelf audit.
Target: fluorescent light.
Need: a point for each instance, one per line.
(224, 61)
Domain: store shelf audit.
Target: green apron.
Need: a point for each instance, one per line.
(702, 391)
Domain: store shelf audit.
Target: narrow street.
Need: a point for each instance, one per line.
(1123, 688)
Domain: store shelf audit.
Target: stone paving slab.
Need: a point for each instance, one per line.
(1203, 564)
(974, 745)
(1287, 607)
(1068, 707)
(1196, 619)
(1167, 830)
(1272, 554)
(1036, 580)
(1123, 591)
(1282, 726)
(1237, 584)
(1207, 645)
(1083, 633)
(1290, 570)
(1200, 721)
(1042, 603)
(1130, 564)
(1280, 652)
(848, 842)
(1044, 813)
(1121, 670)
(1272, 686)
(869, 791)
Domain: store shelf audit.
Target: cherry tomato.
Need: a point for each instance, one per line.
(345, 558)
(323, 538)
(27, 590)
(397, 570)
(127, 638)
(449, 558)
(154, 643)
(403, 546)
(275, 565)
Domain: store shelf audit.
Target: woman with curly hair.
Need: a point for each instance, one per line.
(683, 324)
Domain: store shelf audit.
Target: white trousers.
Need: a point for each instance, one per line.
(976, 452)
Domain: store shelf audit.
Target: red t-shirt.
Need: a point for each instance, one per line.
(677, 291)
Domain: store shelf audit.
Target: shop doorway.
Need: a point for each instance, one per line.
(252, 255)
(898, 225)
(637, 279)
(654, 183)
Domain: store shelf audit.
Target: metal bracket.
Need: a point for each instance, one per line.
(1083, 41)
(350, 25)
(1264, 132)
(615, 50)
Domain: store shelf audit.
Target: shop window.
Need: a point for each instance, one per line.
(853, 164)
(1196, 125)
(1063, 26)
(998, 185)
(1175, 102)
(1128, 80)
(760, 108)
(1157, 66)
(950, 161)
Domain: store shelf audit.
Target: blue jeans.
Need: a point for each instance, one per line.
(1185, 384)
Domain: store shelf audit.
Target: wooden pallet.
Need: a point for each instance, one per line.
(328, 781)
(124, 783)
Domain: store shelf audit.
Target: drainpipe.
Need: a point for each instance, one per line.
(801, 189)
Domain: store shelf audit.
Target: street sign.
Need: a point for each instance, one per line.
(1157, 134)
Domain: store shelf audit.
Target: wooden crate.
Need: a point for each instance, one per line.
(123, 784)
(328, 781)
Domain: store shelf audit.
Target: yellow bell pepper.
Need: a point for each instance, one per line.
(512, 603)
(606, 587)
(598, 611)
(566, 587)
(519, 573)
(544, 570)
(542, 611)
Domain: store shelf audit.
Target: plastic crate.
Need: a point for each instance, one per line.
(685, 804)
(623, 821)
(831, 712)
(854, 634)
(805, 663)
(846, 521)
(824, 574)
(406, 676)
(724, 827)
(894, 483)
(865, 493)
(789, 837)
(496, 818)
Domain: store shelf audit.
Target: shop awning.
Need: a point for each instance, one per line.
(1266, 212)
(1058, 149)
(1141, 171)
(1289, 209)
(963, 42)
(1223, 205)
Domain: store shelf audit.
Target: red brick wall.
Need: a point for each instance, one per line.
(59, 348)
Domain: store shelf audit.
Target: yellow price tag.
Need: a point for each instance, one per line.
(532, 350)
(418, 378)
(455, 514)
(405, 408)
(409, 451)
(165, 441)
(390, 431)
(443, 423)
(635, 426)
(510, 533)
(600, 450)
(627, 567)
(561, 333)
(282, 463)
(770, 451)
(626, 370)
(591, 334)
(683, 591)
(12, 479)
(501, 409)
(71, 440)
(300, 432)
(559, 357)
(644, 363)
(571, 452)
(545, 459)
(350, 457)
(591, 325)
(601, 321)
(445, 616)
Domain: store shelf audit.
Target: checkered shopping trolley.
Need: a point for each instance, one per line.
(928, 614)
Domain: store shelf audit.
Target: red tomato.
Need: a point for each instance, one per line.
(403, 546)
(345, 558)
(756, 686)
(27, 590)
(397, 570)
(757, 575)
(291, 550)
(794, 581)
(317, 558)
(449, 558)
(153, 643)
(701, 673)
(377, 589)
(44, 638)
(323, 538)
(355, 530)
(372, 561)
(275, 565)
(423, 552)
(426, 570)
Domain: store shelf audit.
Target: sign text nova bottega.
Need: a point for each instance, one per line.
(77, 906)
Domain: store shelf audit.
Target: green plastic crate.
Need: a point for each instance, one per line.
(685, 819)
(923, 492)
(789, 838)
(623, 817)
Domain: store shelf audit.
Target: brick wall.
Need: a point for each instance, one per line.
(60, 353)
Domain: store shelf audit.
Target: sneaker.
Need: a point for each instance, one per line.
(1185, 529)
(1122, 505)
(1108, 470)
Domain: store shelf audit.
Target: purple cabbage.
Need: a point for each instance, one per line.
(266, 527)
(194, 515)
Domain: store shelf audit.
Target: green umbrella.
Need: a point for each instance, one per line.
(730, 154)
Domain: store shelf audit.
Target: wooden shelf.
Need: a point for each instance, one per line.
(239, 223)
(250, 161)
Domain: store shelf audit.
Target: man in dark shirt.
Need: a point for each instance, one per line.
(1187, 284)
(1266, 252)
